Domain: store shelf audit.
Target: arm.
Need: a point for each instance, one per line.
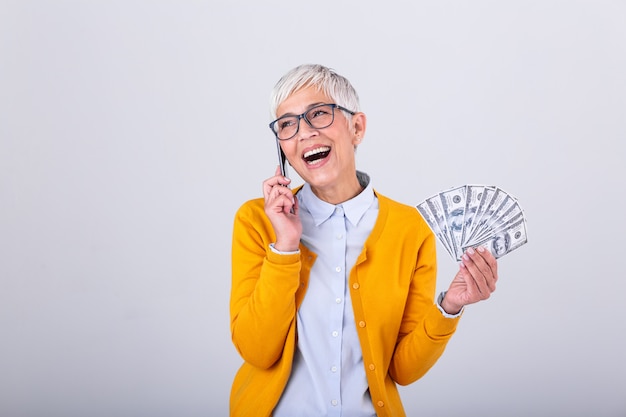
(423, 340)
(264, 283)
(263, 289)
(424, 332)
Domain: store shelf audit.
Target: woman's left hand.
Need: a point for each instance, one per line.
(475, 281)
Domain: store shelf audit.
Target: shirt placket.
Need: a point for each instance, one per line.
(338, 283)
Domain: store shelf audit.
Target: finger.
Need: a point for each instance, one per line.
(485, 261)
(295, 208)
(490, 259)
(479, 273)
(282, 179)
(286, 205)
(271, 182)
(487, 264)
(276, 180)
(280, 197)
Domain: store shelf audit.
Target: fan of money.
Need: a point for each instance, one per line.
(475, 215)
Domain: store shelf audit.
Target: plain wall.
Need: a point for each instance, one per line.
(131, 131)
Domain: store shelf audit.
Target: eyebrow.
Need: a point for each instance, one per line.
(309, 107)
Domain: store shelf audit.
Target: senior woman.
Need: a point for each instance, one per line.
(333, 284)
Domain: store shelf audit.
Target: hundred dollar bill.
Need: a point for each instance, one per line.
(506, 240)
(434, 226)
(434, 204)
(485, 198)
(473, 196)
(453, 204)
(509, 214)
(475, 215)
(491, 202)
(507, 211)
(506, 224)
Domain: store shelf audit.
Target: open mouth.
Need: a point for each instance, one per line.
(316, 155)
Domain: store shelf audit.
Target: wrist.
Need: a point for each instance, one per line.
(448, 306)
(286, 247)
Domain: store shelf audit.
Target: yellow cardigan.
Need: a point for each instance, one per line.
(401, 331)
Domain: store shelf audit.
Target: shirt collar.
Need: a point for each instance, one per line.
(354, 209)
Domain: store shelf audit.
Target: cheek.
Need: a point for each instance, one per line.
(289, 149)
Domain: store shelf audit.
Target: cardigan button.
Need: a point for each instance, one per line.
(355, 285)
(361, 323)
(380, 404)
(372, 367)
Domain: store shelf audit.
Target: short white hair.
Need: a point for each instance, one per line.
(325, 79)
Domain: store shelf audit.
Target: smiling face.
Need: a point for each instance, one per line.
(324, 158)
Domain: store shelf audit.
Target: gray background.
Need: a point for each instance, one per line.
(130, 132)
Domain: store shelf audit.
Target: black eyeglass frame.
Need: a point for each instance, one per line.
(303, 116)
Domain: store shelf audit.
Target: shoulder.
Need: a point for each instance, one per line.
(251, 224)
(251, 217)
(250, 208)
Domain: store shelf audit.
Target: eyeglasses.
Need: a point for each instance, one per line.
(318, 117)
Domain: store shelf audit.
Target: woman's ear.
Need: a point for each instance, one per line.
(359, 125)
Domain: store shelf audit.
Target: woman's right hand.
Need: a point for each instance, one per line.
(281, 207)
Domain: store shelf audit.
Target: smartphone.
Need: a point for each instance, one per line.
(282, 160)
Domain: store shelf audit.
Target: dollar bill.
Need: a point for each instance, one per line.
(485, 198)
(427, 214)
(505, 240)
(487, 211)
(475, 215)
(505, 213)
(473, 197)
(434, 204)
(453, 205)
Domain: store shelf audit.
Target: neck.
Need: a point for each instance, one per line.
(337, 194)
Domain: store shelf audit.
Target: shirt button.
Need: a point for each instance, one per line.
(335, 333)
(380, 404)
(338, 300)
(355, 285)
(339, 236)
(361, 323)
(338, 269)
(333, 369)
(334, 402)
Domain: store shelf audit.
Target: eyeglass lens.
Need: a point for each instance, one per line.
(318, 117)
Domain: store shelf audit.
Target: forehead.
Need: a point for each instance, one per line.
(301, 100)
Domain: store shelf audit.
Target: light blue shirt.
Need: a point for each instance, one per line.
(328, 377)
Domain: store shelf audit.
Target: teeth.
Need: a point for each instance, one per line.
(316, 151)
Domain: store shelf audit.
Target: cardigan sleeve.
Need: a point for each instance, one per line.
(424, 332)
(264, 283)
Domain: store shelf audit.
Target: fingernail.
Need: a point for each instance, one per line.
(465, 257)
(461, 264)
(470, 251)
(481, 249)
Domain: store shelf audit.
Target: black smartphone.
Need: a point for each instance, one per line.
(282, 160)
